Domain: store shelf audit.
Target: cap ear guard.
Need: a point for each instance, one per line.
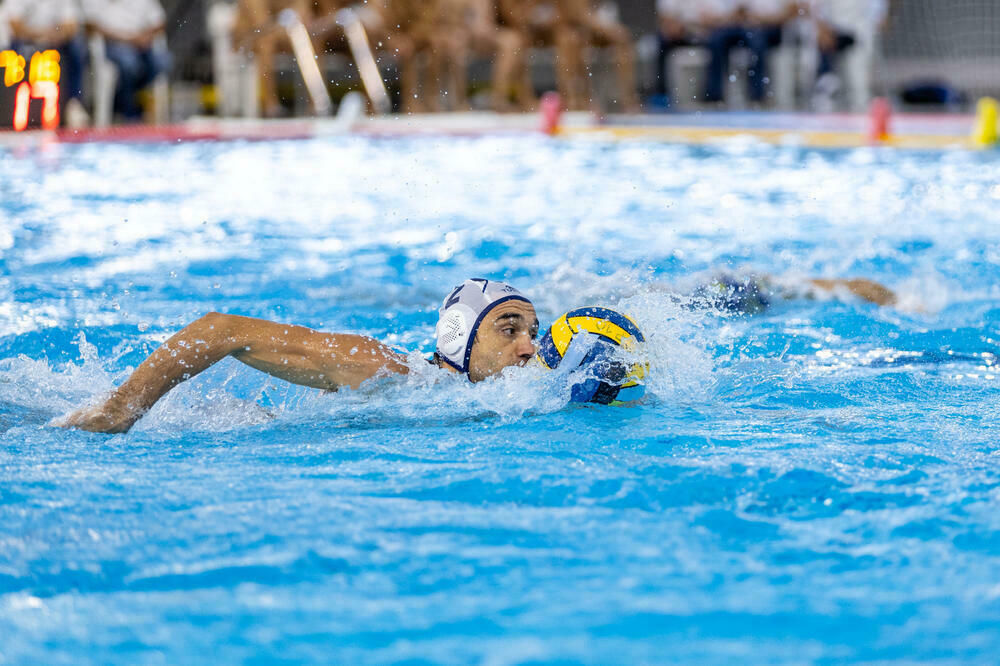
(453, 332)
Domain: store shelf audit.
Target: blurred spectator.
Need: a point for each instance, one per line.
(130, 29)
(433, 39)
(37, 25)
(752, 24)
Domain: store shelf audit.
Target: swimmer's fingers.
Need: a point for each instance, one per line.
(106, 417)
(88, 418)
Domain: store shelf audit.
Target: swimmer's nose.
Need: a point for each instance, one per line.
(525, 348)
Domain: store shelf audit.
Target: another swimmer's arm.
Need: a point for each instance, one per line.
(871, 291)
(294, 353)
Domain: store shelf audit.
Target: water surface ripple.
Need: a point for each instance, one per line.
(814, 484)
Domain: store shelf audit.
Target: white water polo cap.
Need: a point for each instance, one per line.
(462, 313)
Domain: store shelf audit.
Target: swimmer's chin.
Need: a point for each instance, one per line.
(525, 369)
(523, 365)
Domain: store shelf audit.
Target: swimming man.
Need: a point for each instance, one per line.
(483, 327)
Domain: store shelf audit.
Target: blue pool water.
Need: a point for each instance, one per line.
(816, 484)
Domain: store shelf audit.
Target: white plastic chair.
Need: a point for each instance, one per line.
(106, 77)
(234, 72)
(687, 66)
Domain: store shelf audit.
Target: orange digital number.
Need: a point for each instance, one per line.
(44, 67)
(48, 92)
(42, 83)
(22, 98)
(13, 64)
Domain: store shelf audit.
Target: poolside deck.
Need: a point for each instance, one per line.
(932, 132)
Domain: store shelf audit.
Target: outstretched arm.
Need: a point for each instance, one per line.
(294, 353)
(869, 290)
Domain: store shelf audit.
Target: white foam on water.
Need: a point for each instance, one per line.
(925, 293)
(38, 385)
(564, 202)
(680, 370)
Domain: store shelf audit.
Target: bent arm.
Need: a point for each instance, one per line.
(294, 353)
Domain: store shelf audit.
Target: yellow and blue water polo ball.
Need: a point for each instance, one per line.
(590, 340)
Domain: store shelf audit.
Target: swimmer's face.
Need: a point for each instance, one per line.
(506, 337)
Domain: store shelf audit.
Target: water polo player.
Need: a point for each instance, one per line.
(483, 327)
(753, 294)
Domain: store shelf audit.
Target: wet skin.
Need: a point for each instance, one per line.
(506, 337)
(296, 354)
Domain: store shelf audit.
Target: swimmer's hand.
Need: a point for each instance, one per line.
(111, 416)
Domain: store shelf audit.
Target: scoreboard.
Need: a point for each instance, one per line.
(29, 91)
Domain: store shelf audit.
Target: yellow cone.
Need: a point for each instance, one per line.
(984, 134)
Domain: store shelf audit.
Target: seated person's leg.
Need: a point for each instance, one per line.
(760, 41)
(569, 70)
(666, 46)
(154, 62)
(408, 53)
(672, 34)
(617, 36)
(72, 61)
(524, 86)
(265, 50)
(128, 60)
(458, 72)
(510, 48)
(720, 42)
(836, 43)
(829, 46)
(440, 64)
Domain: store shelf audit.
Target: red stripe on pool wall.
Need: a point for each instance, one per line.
(843, 130)
(137, 133)
(186, 132)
